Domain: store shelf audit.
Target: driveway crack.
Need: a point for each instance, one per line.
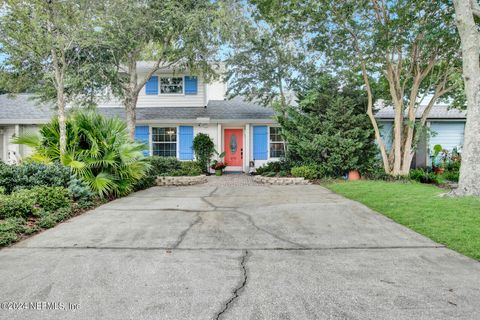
(276, 236)
(239, 288)
(182, 235)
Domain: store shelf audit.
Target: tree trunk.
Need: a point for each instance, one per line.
(469, 183)
(130, 104)
(60, 87)
(131, 96)
(62, 122)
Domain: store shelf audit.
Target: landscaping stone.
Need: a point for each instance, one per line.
(180, 181)
(280, 181)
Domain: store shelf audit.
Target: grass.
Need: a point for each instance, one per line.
(454, 222)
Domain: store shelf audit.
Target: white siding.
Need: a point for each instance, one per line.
(216, 90)
(166, 100)
(447, 134)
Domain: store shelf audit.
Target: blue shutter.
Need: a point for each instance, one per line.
(151, 87)
(186, 142)
(260, 143)
(191, 85)
(142, 135)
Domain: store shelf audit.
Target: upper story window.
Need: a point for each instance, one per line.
(277, 145)
(171, 85)
(164, 142)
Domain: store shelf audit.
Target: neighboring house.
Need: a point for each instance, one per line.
(173, 107)
(445, 127)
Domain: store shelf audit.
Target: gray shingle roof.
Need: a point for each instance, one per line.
(21, 109)
(437, 112)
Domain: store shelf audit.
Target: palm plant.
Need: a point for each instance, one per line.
(98, 151)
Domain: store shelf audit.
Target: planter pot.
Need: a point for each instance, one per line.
(439, 170)
(353, 175)
(218, 172)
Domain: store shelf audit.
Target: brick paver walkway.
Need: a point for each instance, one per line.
(231, 180)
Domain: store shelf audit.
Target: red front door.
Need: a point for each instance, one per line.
(233, 146)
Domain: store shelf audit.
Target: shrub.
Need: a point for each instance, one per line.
(424, 176)
(451, 175)
(99, 151)
(273, 168)
(309, 172)
(81, 193)
(188, 168)
(52, 198)
(329, 127)
(27, 202)
(164, 165)
(167, 166)
(20, 203)
(14, 224)
(49, 219)
(28, 175)
(204, 148)
(7, 237)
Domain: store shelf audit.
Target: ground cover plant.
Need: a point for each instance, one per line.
(451, 221)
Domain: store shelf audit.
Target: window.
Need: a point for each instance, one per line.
(277, 146)
(171, 85)
(164, 142)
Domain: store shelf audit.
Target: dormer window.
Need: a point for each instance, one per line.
(171, 85)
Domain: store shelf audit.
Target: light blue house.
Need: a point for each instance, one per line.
(445, 127)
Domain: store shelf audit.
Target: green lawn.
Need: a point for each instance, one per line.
(454, 222)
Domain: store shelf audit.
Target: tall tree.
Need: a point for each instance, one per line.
(266, 59)
(465, 13)
(409, 45)
(42, 42)
(171, 34)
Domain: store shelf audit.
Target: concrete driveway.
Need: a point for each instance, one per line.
(250, 252)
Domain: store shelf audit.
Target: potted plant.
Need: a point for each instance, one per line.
(353, 175)
(218, 165)
(440, 159)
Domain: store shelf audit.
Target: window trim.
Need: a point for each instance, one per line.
(270, 142)
(177, 150)
(170, 94)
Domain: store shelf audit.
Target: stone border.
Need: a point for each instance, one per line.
(180, 180)
(280, 181)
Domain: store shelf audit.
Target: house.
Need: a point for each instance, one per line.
(445, 127)
(173, 107)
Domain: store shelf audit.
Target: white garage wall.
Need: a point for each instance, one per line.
(447, 134)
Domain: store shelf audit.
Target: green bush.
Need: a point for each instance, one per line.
(27, 202)
(329, 127)
(7, 237)
(424, 176)
(99, 151)
(52, 198)
(20, 203)
(167, 166)
(14, 224)
(451, 175)
(81, 193)
(274, 168)
(309, 172)
(28, 175)
(188, 168)
(204, 149)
